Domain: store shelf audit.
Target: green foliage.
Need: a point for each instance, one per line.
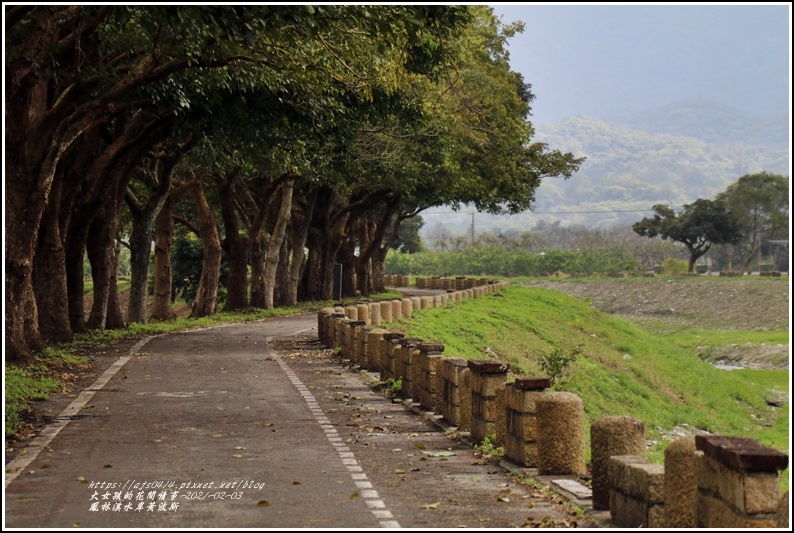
(498, 261)
(21, 388)
(674, 267)
(186, 255)
(760, 202)
(488, 449)
(393, 386)
(698, 226)
(556, 363)
(27, 384)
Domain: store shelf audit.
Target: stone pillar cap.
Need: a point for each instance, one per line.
(488, 366)
(741, 453)
(532, 383)
(431, 347)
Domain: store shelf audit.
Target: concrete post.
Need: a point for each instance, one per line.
(560, 434)
(521, 444)
(487, 378)
(612, 435)
(738, 482)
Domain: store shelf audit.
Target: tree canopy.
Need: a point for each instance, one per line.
(286, 138)
(697, 226)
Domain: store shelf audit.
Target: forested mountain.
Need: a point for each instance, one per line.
(672, 154)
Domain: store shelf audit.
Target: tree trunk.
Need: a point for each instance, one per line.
(114, 319)
(140, 250)
(379, 269)
(346, 256)
(236, 252)
(298, 241)
(207, 296)
(281, 289)
(163, 240)
(256, 251)
(276, 238)
(100, 246)
(49, 274)
(75, 254)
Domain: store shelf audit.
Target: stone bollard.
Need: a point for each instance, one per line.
(521, 443)
(374, 314)
(427, 302)
(437, 301)
(335, 329)
(783, 512)
(456, 392)
(487, 376)
(351, 312)
(416, 303)
(357, 339)
(407, 308)
(560, 434)
(403, 361)
(396, 309)
(636, 492)
(427, 380)
(323, 325)
(679, 483)
(385, 359)
(372, 355)
(363, 313)
(342, 325)
(612, 435)
(738, 482)
(359, 355)
(385, 312)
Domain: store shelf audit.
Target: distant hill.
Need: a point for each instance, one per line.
(672, 154)
(710, 122)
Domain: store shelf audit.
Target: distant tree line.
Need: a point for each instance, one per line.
(273, 140)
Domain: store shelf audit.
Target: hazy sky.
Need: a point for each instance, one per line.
(603, 60)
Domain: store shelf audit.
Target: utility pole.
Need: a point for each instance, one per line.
(472, 229)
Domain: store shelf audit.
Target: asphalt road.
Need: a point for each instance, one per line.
(216, 428)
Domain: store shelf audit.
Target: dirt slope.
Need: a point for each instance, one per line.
(701, 303)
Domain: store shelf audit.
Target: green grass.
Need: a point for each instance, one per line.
(623, 369)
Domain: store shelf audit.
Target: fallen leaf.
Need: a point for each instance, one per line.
(108, 465)
(398, 471)
(443, 454)
(263, 503)
(503, 499)
(237, 455)
(81, 479)
(419, 446)
(354, 496)
(296, 482)
(217, 436)
(431, 505)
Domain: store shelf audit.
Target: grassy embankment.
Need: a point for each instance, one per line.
(623, 369)
(58, 363)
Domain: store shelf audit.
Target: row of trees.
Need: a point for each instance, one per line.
(744, 218)
(285, 138)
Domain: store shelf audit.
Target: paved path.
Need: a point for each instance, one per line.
(214, 428)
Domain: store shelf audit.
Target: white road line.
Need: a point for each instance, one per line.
(34, 448)
(370, 497)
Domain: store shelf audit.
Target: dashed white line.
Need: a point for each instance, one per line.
(370, 496)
